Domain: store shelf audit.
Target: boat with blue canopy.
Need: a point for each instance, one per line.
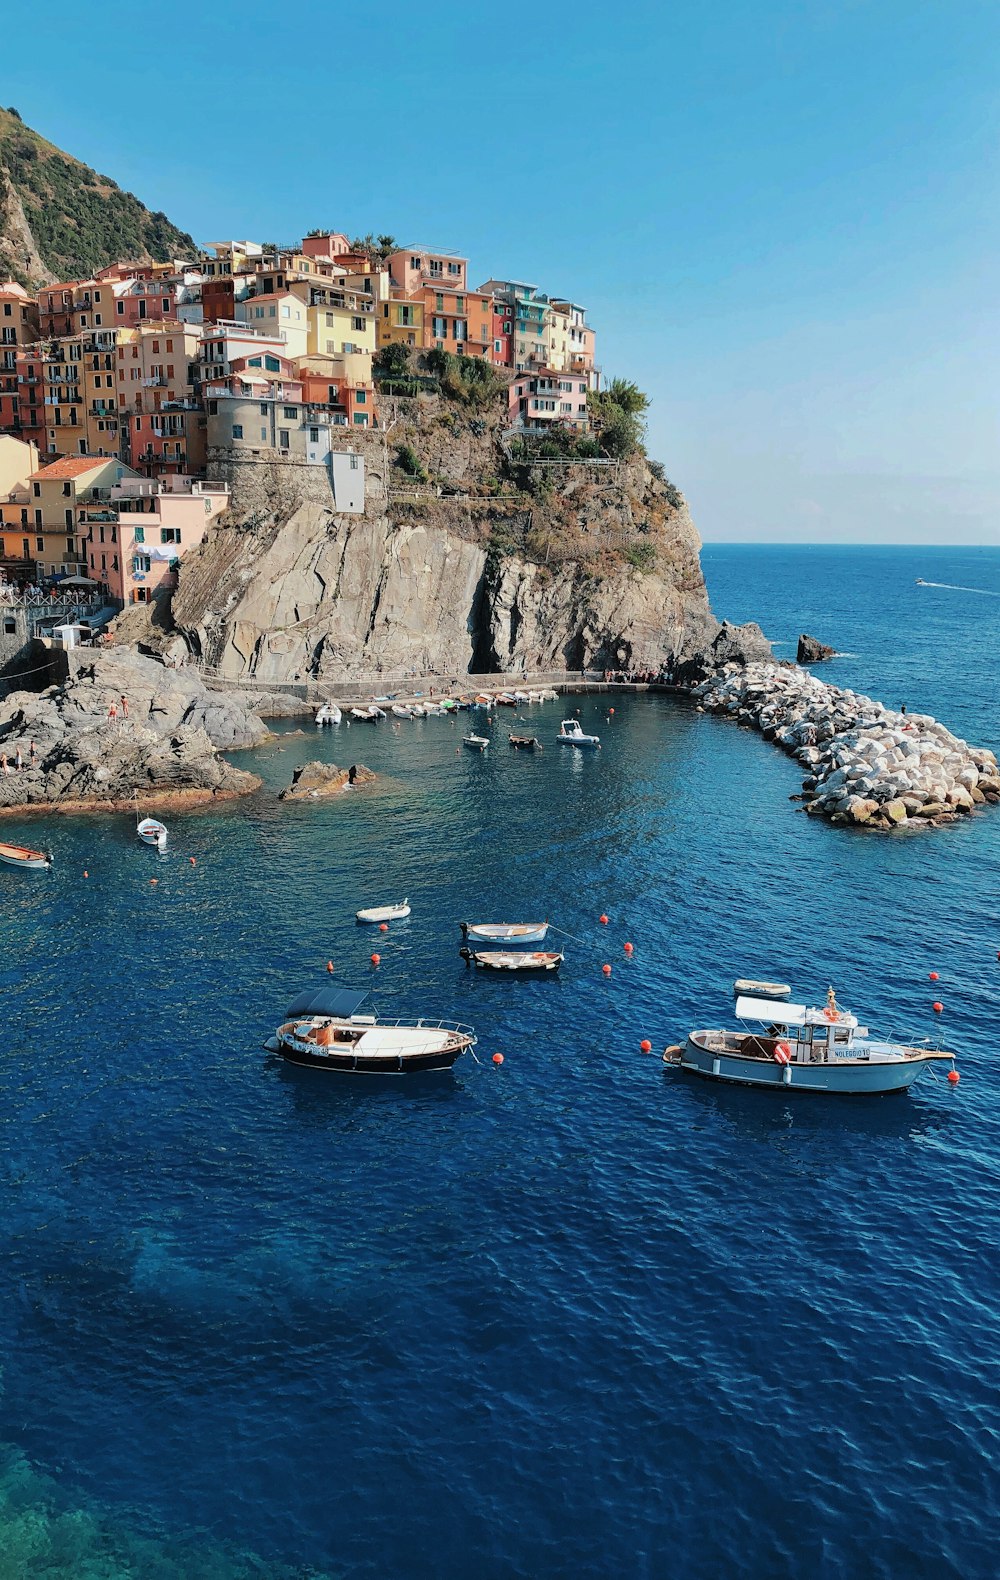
(802, 1050)
(323, 1030)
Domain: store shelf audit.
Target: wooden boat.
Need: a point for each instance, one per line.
(525, 742)
(478, 743)
(571, 734)
(747, 988)
(514, 933)
(152, 832)
(506, 699)
(23, 856)
(323, 1031)
(802, 1050)
(384, 913)
(522, 961)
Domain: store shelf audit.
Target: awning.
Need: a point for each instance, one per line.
(771, 1009)
(338, 1002)
(78, 581)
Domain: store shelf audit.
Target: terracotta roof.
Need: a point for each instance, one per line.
(70, 466)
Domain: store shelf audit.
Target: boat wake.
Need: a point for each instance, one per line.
(987, 592)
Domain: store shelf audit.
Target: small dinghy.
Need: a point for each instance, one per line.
(384, 913)
(571, 734)
(152, 832)
(323, 1031)
(400, 711)
(507, 699)
(511, 933)
(522, 961)
(367, 715)
(525, 743)
(748, 988)
(22, 856)
(478, 743)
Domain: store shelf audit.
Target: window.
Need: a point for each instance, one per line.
(36, 490)
(358, 325)
(140, 534)
(67, 490)
(314, 436)
(68, 517)
(454, 268)
(237, 430)
(170, 534)
(140, 564)
(439, 301)
(284, 439)
(291, 413)
(263, 435)
(360, 397)
(414, 263)
(213, 408)
(39, 545)
(354, 462)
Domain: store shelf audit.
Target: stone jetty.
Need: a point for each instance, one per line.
(866, 764)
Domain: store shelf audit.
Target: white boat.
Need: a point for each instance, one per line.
(515, 960)
(802, 1050)
(478, 743)
(327, 713)
(367, 715)
(384, 913)
(399, 711)
(152, 832)
(571, 734)
(323, 1031)
(418, 710)
(23, 856)
(746, 987)
(515, 933)
(547, 694)
(433, 710)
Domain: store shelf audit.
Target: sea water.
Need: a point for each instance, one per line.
(575, 1315)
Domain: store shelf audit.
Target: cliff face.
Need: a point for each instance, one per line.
(481, 568)
(61, 220)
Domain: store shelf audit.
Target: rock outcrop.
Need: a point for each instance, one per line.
(165, 748)
(590, 566)
(867, 764)
(812, 652)
(315, 780)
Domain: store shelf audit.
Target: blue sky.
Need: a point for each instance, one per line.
(781, 214)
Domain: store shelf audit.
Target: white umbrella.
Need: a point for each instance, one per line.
(77, 581)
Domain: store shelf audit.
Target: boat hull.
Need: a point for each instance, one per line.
(507, 935)
(334, 1062)
(847, 1076)
(21, 856)
(514, 962)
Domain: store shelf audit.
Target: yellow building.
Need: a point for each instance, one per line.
(62, 378)
(62, 500)
(340, 324)
(280, 313)
(100, 397)
(401, 323)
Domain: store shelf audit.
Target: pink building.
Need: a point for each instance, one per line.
(542, 397)
(137, 544)
(413, 268)
(329, 245)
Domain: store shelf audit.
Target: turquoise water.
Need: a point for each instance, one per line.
(575, 1316)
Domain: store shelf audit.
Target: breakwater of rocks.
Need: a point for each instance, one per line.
(865, 764)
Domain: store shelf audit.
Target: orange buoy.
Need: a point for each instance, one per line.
(383, 927)
(604, 922)
(376, 959)
(606, 970)
(937, 1006)
(86, 874)
(192, 861)
(154, 880)
(932, 976)
(645, 1045)
(630, 949)
(498, 1058)
(329, 966)
(610, 712)
(954, 1077)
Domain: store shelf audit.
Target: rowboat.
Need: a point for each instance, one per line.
(384, 913)
(507, 699)
(478, 743)
(23, 856)
(522, 961)
(152, 832)
(323, 1031)
(571, 734)
(400, 711)
(802, 1050)
(504, 932)
(747, 988)
(525, 742)
(367, 715)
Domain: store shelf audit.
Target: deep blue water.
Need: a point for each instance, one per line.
(578, 1316)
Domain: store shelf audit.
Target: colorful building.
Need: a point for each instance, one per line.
(540, 399)
(31, 395)
(135, 546)
(63, 390)
(458, 321)
(62, 498)
(412, 268)
(18, 329)
(278, 313)
(400, 323)
(100, 397)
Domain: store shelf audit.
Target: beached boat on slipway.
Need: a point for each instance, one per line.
(323, 1031)
(802, 1050)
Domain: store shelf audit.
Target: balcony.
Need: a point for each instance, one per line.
(158, 381)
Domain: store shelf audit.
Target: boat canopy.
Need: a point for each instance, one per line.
(781, 1014)
(337, 1002)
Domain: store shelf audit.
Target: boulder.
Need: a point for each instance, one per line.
(895, 811)
(312, 781)
(812, 652)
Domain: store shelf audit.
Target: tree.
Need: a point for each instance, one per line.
(391, 362)
(623, 393)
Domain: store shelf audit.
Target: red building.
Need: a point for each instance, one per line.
(503, 335)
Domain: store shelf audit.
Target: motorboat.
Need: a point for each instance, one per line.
(746, 987)
(400, 711)
(23, 856)
(506, 699)
(322, 1030)
(521, 696)
(481, 700)
(152, 832)
(515, 933)
(327, 713)
(478, 743)
(571, 734)
(367, 715)
(802, 1049)
(433, 710)
(384, 913)
(521, 961)
(529, 743)
(418, 710)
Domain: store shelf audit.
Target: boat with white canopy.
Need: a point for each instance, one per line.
(571, 734)
(322, 1030)
(802, 1049)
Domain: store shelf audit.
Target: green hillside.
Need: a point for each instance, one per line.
(60, 220)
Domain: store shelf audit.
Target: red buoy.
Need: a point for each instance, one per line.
(954, 1077)
(937, 1006)
(192, 861)
(329, 966)
(606, 970)
(86, 874)
(376, 960)
(383, 927)
(498, 1058)
(611, 710)
(629, 949)
(604, 922)
(645, 1045)
(932, 976)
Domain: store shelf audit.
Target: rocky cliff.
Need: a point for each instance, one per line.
(483, 564)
